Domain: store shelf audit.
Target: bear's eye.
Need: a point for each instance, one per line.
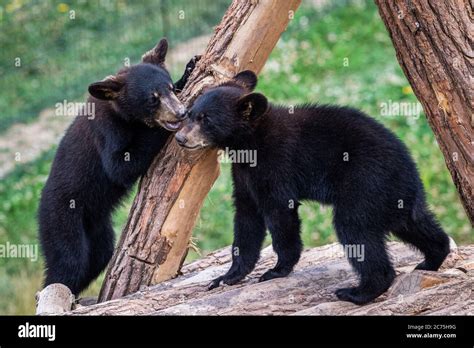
(201, 116)
(155, 98)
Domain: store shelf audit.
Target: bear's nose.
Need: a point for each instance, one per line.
(181, 139)
(181, 114)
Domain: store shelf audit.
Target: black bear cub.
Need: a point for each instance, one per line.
(334, 155)
(98, 160)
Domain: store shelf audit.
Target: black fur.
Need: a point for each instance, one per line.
(301, 156)
(97, 162)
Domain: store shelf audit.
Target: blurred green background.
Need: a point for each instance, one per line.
(332, 52)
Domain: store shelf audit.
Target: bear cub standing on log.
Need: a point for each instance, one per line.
(334, 155)
(98, 161)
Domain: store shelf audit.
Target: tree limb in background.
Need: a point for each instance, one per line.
(434, 45)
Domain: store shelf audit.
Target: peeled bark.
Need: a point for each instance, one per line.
(155, 240)
(435, 48)
(308, 290)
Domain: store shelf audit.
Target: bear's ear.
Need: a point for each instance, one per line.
(252, 106)
(157, 54)
(247, 78)
(107, 89)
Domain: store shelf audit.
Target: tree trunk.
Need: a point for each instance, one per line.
(308, 290)
(155, 240)
(434, 45)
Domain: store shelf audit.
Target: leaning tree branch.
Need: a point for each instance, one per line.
(155, 239)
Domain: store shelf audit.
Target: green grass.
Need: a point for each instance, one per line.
(306, 66)
(19, 192)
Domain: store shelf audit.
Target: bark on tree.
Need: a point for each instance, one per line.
(155, 240)
(308, 290)
(434, 45)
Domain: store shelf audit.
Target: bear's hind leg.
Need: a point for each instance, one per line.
(428, 237)
(366, 251)
(101, 238)
(66, 251)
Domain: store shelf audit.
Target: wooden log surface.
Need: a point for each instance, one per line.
(309, 290)
(155, 239)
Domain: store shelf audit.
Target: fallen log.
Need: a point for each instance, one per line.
(309, 290)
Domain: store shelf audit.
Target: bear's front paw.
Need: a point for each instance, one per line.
(274, 273)
(215, 283)
(192, 64)
(229, 279)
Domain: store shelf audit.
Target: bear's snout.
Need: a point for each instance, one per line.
(181, 139)
(191, 137)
